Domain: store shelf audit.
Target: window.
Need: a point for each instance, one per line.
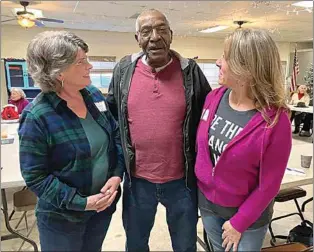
(210, 70)
(101, 80)
(101, 73)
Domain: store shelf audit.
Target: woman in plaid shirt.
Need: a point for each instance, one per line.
(70, 151)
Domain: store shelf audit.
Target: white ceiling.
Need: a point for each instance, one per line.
(286, 22)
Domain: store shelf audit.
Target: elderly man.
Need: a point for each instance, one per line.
(157, 97)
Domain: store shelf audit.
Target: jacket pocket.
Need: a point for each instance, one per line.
(202, 171)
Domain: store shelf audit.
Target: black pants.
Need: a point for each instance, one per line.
(307, 122)
(297, 120)
(304, 118)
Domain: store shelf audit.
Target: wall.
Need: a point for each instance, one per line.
(301, 46)
(4, 94)
(15, 40)
(305, 57)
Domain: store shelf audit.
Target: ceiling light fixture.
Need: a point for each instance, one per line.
(214, 29)
(25, 22)
(240, 23)
(305, 4)
(37, 13)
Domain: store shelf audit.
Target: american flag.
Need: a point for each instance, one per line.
(295, 72)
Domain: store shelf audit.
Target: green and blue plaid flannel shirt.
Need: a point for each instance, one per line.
(55, 155)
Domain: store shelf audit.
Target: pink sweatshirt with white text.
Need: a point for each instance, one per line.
(249, 172)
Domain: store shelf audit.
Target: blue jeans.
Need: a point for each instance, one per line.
(251, 240)
(63, 235)
(139, 208)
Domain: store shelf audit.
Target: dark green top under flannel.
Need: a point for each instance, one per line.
(55, 154)
(98, 141)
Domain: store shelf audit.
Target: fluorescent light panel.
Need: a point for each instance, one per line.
(305, 4)
(214, 29)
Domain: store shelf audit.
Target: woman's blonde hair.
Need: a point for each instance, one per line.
(253, 56)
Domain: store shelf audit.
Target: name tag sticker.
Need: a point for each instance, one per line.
(205, 115)
(101, 106)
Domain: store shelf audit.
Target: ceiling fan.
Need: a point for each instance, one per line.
(240, 23)
(27, 19)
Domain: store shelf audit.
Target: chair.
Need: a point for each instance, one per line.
(24, 201)
(205, 243)
(306, 202)
(283, 196)
(301, 128)
(309, 249)
(295, 247)
(209, 246)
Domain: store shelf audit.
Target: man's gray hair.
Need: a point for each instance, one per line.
(49, 54)
(19, 90)
(145, 12)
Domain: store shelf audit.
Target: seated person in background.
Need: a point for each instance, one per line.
(18, 98)
(300, 96)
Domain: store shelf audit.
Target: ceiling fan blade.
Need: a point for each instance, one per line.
(6, 15)
(8, 20)
(38, 23)
(51, 20)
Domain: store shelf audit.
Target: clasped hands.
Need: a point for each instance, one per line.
(104, 199)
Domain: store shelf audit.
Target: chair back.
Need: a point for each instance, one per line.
(309, 249)
(24, 200)
(293, 247)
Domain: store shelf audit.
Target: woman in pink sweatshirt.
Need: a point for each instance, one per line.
(243, 143)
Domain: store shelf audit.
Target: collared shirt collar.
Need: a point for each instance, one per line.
(56, 100)
(158, 69)
(184, 62)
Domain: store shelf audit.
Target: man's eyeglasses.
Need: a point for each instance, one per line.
(147, 31)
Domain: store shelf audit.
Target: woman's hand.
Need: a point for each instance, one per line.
(106, 201)
(110, 192)
(92, 200)
(111, 185)
(230, 236)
